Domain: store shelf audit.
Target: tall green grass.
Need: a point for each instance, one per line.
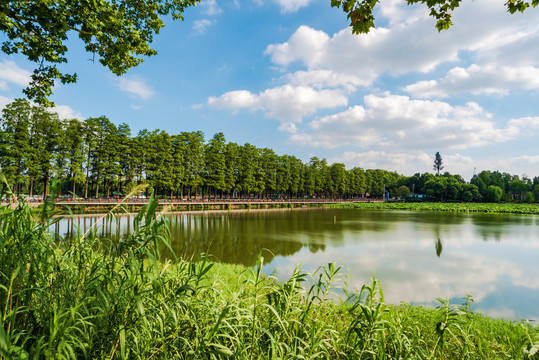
(87, 298)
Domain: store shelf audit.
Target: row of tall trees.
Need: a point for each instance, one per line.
(96, 158)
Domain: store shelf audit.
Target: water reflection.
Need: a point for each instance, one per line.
(492, 257)
(438, 247)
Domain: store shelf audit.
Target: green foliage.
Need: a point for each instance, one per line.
(403, 191)
(117, 32)
(494, 193)
(215, 162)
(35, 146)
(361, 12)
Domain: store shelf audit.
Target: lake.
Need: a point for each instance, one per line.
(418, 256)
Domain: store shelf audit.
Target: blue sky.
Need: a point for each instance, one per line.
(289, 75)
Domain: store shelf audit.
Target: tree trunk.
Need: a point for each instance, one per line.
(97, 187)
(87, 177)
(31, 186)
(73, 177)
(46, 186)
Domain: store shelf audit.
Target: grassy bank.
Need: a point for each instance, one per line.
(509, 208)
(90, 299)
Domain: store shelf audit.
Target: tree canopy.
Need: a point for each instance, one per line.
(361, 12)
(97, 158)
(117, 32)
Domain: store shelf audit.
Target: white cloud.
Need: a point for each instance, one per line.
(290, 6)
(526, 123)
(136, 86)
(412, 44)
(234, 100)
(211, 8)
(11, 72)
(201, 26)
(287, 104)
(475, 79)
(403, 123)
(326, 78)
(404, 162)
(513, 165)
(66, 112)
(365, 57)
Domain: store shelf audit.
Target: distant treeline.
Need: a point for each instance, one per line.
(96, 158)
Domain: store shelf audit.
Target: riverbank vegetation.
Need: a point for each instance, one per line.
(510, 208)
(96, 158)
(92, 298)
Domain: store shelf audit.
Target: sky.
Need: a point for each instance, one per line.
(290, 75)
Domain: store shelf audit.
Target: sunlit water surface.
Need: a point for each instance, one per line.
(418, 256)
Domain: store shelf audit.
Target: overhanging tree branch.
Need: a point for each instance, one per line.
(122, 29)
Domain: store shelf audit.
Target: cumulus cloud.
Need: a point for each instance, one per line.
(527, 123)
(288, 104)
(475, 79)
(66, 112)
(411, 44)
(365, 57)
(136, 86)
(10, 72)
(400, 122)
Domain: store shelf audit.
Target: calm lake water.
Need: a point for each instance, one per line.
(418, 256)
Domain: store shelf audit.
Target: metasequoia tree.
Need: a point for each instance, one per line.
(14, 141)
(438, 163)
